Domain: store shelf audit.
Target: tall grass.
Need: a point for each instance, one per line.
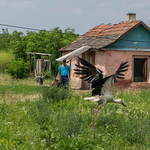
(55, 94)
(6, 79)
(5, 59)
(64, 124)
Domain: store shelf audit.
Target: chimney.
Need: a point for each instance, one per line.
(131, 16)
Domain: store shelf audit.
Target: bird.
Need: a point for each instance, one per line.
(101, 84)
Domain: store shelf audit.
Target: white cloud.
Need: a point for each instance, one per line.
(64, 8)
(140, 5)
(59, 8)
(3, 3)
(78, 11)
(25, 4)
(135, 4)
(102, 5)
(64, 13)
(17, 4)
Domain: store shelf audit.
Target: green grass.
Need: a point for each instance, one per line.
(64, 124)
(20, 89)
(6, 79)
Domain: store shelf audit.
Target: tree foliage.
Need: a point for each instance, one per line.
(5, 40)
(42, 42)
(18, 69)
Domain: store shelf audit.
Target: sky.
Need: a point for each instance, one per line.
(81, 15)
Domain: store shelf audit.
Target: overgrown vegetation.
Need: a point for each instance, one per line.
(5, 59)
(18, 69)
(41, 117)
(47, 75)
(55, 94)
(50, 124)
(50, 42)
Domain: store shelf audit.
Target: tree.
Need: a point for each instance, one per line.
(42, 42)
(19, 45)
(5, 40)
(50, 42)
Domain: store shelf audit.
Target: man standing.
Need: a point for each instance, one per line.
(63, 75)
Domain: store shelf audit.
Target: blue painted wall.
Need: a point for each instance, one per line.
(131, 41)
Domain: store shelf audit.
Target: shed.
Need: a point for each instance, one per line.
(40, 65)
(107, 45)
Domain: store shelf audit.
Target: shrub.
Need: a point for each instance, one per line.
(55, 94)
(18, 69)
(47, 75)
(5, 59)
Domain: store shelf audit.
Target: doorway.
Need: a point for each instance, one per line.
(90, 61)
(140, 70)
(90, 57)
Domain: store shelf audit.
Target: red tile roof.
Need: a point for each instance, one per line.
(104, 35)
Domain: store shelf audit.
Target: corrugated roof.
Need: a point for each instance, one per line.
(74, 53)
(103, 35)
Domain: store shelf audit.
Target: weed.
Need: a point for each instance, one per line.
(62, 120)
(55, 94)
(47, 75)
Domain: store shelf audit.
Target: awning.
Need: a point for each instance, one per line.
(74, 53)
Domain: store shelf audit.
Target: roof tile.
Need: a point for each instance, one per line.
(103, 35)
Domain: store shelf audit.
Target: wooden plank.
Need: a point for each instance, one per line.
(34, 53)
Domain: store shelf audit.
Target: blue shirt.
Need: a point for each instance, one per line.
(64, 71)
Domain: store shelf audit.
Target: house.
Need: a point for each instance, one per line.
(107, 45)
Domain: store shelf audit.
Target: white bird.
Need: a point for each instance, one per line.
(102, 86)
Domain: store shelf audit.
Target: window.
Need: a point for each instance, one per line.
(92, 58)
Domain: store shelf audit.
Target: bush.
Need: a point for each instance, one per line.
(55, 94)
(18, 69)
(5, 59)
(47, 75)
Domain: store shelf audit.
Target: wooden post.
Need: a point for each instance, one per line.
(45, 65)
(30, 63)
(49, 63)
(34, 65)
